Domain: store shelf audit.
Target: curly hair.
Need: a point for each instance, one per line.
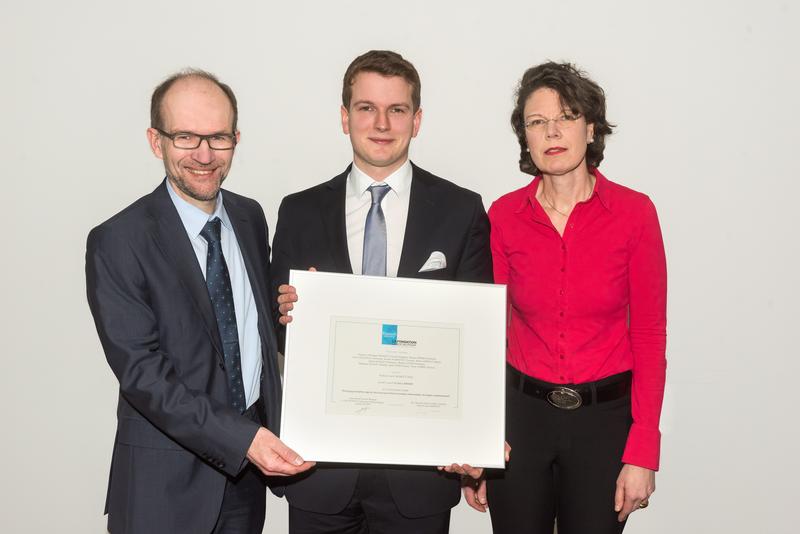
(578, 94)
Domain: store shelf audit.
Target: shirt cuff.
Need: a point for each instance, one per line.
(643, 447)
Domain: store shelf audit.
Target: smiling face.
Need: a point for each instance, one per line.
(380, 122)
(195, 105)
(558, 147)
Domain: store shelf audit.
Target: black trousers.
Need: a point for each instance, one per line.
(372, 510)
(564, 467)
(244, 504)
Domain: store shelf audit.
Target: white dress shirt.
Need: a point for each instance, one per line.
(244, 304)
(395, 211)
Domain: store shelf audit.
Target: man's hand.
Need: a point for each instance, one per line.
(287, 296)
(273, 457)
(634, 485)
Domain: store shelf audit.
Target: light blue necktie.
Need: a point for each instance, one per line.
(374, 260)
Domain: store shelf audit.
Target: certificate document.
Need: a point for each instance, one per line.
(395, 371)
(386, 367)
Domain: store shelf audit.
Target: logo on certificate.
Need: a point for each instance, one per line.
(389, 334)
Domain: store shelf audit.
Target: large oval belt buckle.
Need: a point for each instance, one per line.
(565, 398)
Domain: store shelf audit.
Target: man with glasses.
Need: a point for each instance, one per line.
(177, 285)
(382, 216)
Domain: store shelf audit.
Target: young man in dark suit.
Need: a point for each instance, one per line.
(382, 216)
(178, 284)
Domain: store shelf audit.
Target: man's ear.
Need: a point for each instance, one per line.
(417, 122)
(345, 120)
(154, 140)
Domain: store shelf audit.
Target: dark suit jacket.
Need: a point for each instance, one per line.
(311, 233)
(177, 440)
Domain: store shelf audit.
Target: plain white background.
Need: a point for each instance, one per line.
(705, 96)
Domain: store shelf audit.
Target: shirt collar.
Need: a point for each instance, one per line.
(192, 217)
(399, 180)
(601, 191)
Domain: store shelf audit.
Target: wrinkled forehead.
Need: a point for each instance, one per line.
(196, 105)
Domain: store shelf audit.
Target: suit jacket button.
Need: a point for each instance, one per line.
(221, 366)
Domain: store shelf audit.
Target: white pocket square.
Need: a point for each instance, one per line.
(435, 262)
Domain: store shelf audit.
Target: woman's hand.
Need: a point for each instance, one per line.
(475, 487)
(465, 470)
(634, 486)
(475, 493)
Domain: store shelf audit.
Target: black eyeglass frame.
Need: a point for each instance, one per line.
(201, 138)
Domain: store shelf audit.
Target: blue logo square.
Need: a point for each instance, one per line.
(389, 334)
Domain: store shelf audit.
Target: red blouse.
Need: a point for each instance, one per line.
(590, 304)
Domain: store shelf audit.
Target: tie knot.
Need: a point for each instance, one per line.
(378, 191)
(211, 231)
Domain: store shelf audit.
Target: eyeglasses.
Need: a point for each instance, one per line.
(191, 140)
(538, 124)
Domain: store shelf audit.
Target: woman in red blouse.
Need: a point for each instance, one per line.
(584, 263)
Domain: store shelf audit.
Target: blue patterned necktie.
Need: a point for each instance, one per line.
(374, 260)
(219, 289)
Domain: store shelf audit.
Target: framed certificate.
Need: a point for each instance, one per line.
(395, 371)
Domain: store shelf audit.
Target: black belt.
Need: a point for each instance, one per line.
(571, 396)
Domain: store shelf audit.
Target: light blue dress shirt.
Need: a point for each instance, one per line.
(194, 219)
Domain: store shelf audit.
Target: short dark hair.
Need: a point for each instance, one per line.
(578, 94)
(385, 63)
(156, 119)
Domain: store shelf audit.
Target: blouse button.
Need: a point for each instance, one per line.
(561, 335)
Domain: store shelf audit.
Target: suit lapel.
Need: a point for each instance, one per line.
(421, 218)
(332, 212)
(171, 239)
(253, 263)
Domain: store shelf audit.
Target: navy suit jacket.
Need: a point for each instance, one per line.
(177, 439)
(311, 232)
